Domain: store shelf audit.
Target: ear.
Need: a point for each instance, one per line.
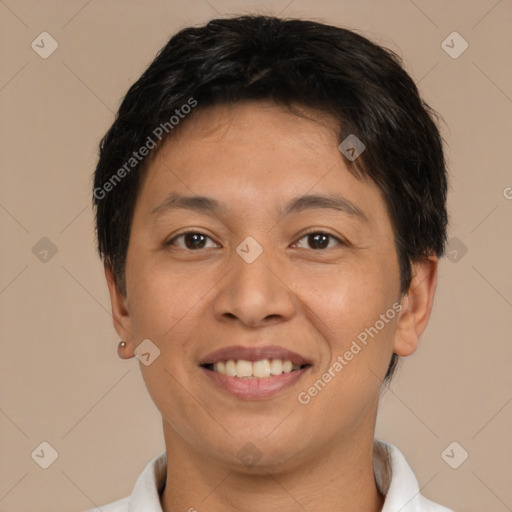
(416, 307)
(120, 314)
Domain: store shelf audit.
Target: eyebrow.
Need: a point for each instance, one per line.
(203, 204)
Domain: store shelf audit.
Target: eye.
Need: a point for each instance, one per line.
(192, 240)
(319, 240)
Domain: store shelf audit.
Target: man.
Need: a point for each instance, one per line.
(271, 207)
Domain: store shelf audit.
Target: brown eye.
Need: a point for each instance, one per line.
(192, 240)
(319, 240)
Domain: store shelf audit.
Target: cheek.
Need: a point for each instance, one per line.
(351, 309)
(172, 307)
(349, 296)
(160, 300)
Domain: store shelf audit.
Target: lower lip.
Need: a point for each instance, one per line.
(255, 389)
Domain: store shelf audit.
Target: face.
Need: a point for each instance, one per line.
(265, 275)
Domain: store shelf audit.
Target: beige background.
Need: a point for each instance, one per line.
(60, 378)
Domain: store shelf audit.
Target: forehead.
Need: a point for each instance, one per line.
(259, 154)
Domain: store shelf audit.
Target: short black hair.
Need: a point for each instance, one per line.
(291, 62)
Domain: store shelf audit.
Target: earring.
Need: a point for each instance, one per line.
(122, 344)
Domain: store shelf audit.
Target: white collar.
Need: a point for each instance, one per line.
(393, 476)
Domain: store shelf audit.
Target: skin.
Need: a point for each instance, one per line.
(253, 158)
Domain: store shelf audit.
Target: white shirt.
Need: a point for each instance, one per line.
(393, 476)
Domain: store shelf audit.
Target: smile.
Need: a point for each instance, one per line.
(253, 372)
(262, 369)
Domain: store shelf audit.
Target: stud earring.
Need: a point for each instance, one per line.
(122, 344)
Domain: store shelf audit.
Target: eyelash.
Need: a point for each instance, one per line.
(312, 232)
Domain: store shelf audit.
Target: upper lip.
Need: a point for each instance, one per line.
(237, 352)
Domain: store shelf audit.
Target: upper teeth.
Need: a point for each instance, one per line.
(258, 369)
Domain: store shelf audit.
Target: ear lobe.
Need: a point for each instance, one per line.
(416, 307)
(120, 313)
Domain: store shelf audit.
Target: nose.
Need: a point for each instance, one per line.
(254, 294)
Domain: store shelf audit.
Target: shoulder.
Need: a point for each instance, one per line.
(396, 481)
(146, 492)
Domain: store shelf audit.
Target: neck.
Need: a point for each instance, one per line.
(339, 479)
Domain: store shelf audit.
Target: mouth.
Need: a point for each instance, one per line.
(254, 373)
